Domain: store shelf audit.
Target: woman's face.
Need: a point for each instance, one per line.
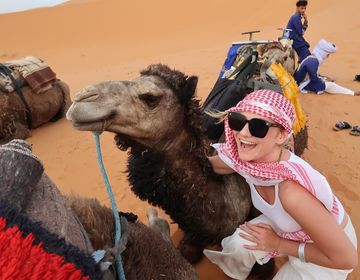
(265, 149)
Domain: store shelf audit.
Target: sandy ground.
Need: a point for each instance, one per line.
(88, 41)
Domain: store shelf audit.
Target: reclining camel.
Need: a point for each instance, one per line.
(50, 105)
(157, 116)
(27, 192)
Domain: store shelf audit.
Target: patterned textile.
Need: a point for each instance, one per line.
(6, 83)
(30, 70)
(28, 252)
(269, 104)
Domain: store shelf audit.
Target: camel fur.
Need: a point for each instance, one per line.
(146, 249)
(278, 52)
(50, 105)
(83, 222)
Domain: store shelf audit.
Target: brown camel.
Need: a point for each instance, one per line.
(157, 116)
(148, 253)
(85, 227)
(44, 107)
(279, 52)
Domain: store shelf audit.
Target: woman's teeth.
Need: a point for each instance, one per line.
(247, 142)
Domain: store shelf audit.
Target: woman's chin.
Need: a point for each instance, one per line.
(247, 154)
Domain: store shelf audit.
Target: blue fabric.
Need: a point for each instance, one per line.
(230, 59)
(310, 66)
(302, 52)
(299, 43)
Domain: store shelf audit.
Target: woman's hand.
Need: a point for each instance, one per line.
(263, 235)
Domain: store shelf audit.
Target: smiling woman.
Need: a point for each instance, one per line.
(278, 180)
(12, 6)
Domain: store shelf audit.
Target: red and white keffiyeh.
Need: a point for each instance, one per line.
(268, 104)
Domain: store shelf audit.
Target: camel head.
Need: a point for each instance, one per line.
(280, 52)
(150, 110)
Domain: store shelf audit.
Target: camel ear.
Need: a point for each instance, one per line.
(188, 90)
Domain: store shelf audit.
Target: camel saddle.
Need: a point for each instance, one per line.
(30, 71)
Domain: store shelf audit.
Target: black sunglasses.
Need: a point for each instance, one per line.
(257, 127)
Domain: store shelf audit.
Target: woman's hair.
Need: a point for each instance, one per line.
(219, 115)
(301, 3)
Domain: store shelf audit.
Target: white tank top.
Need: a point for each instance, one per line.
(277, 214)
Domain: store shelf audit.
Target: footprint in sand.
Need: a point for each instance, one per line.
(341, 188)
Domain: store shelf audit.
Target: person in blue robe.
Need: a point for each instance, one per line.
(298, 28)
(307, 76)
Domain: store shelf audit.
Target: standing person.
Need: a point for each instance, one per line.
(307, 76)
(301, 217)
(298, 29)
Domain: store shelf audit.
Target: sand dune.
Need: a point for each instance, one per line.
(87, 41)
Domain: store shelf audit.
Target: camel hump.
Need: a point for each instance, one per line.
(20, 171)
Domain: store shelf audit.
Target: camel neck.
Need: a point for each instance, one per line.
(184, 149)
(178, 145)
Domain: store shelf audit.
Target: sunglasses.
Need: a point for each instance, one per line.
(257, 127)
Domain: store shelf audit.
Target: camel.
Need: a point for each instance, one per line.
(81, 225)
(158, 118)
(50, 105)
(246, 75)
(279, 52)
(148, 253)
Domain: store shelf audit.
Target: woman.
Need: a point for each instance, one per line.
(307, 73)
(301, 217)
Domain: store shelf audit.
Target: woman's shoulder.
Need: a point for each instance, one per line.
(304, 171)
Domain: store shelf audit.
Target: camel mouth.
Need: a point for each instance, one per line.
(90, 126)
(82, 120)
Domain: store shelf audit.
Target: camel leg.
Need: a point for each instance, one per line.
(190, 250)
(263, 272)
(300, 141)
(17, 131)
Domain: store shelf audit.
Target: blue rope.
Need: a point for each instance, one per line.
(120, 268)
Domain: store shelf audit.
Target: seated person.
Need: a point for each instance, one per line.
(298, 29)
(307, 75)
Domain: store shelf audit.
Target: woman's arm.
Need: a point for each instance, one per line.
(331, 247)
(219, 166)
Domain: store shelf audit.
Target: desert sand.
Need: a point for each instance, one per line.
(88, 41)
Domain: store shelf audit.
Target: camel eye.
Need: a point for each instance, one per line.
(149, 99)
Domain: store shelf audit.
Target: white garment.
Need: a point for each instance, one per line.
(320, 187)
(234, 259)
(276, 212)
(331, 87)
(323, 49)
(237, 262)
